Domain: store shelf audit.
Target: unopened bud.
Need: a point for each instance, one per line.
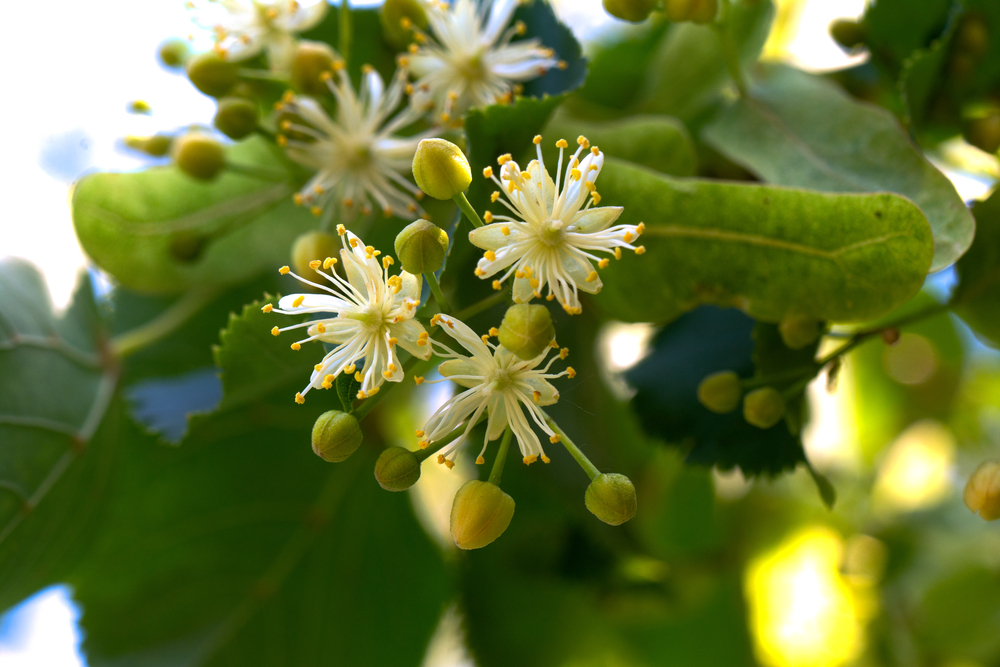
(157, 145)
(174, 53)
(421, 247)
(480, 514)
(849, 34)
(696, 11)
(236, 117)
(798, 332)
(721, 392)
(890, 336)
(397, 469)
(630, 10)
(198, 155)
(187, 246)
(983, 132)
(441, 169)
(211, 74)
(312, 246)
(527, 330)
(336, 435)
(982, 493)
(611, 498)
(311, 61)
(763, 407)
(396, 14)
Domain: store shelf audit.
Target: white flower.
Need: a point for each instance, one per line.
(498, 382)
(552, 237)
(374, 313)
(244, 28)
(470, 60)
(356, 155)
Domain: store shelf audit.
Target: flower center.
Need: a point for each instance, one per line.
(499, 380)
(371, 317)
(551, 233)
(472, 68)
(358, 155)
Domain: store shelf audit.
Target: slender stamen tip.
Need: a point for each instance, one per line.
(480, 460)
(284, 270)
(300, 399)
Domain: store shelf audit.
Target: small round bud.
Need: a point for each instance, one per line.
(157, 145)
(696, 11)
(395, 15)
(630, 10)
(480, 514)
(311, 60)
(763, 407)
(211, 74)
(721, 392)
(527, 330)
(397, 469)
(798, 332)
(890, 336)
(441, 169)
(849, 34)
(336, 435)
(983, 132)
(611, 498)
(982, 493)
(311, 246)
(187, 246)
(236, 117)
(198, 155)
(421, 247)
(174, 53)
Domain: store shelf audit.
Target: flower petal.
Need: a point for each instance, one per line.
(407, 335)
(596, 219)
(467, 338)
(492, 237)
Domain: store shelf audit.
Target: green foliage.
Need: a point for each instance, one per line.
(800, 131)
(769, 251)
(977, 297)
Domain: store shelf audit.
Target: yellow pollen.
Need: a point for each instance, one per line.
(504, 159)
(485, 338)
(423, 444)
(555, 438)
(595, 151)
(546, 459)
(350, 369)
(297, 199)
(300, 399)
(326, 385)
(480, 460)
(494, 332)
(592, 276)
(315, 264)
(537, 140)
(321, 327)
(298, 301)
(582, 140)
(550, 297)
(563, 353)
(418, 379)
(449, 464)
(618, 253)
(359, 377)
(341, 230)
(526, 175)
(640, 250)
(318, 367)
(562, 143)
(570, 372)
(575, 173)
(419, 433)
(387, 375)
(328, 262)
(316, 210)
(628, 237)
(275, 331)
(329, 378)
(640, 228)
(505, 230)
(267, 308)
(362, 394)
(497, 285)
(528, 460)
(534, 283)
(479, 272)
(537, 395)
(392, 341)
(490, 256)
(603, 264)
(495, 196)
(596, 197)
(590, 186)
(281, 140)
(354, 243)
(487, 217)
(440, 458)
(296, 347)
(374, 391)
(284, 270)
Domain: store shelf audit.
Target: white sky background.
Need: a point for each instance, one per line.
(72, 68)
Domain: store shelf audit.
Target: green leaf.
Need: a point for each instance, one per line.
(542, 23)
(128, 223)
(58, 430)
(368, 43)
(799, 130)
(921, 74)
(977, 297)
(347, 390)
(769, 251)
(896, 28)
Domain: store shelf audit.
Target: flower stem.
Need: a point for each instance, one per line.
(424, 454)
(344, 42)
(466, 207)
(501, 458)
(480, 306)
(438, 294)
(257, 172)
(573, 450)
(730, 54)
(163, 324)
(413, 365)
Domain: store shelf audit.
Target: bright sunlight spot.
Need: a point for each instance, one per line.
(915, 472)
(41, 632)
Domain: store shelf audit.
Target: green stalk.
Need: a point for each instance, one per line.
(163, 324)
(501, 457)
(480, 306)
(438, 294)
(466, 207)
(730, 54)
(344, 43)
(573, 450)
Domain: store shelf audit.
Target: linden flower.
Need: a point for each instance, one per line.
(374, 313)
(244, 28)
(552, 238)
(472, 62)
(496, 381)
(357, 157)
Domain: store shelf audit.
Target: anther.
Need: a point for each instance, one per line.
(418, 380)
(296, 347)
(284, 270)
(640, 250)
(328, 262)
(537, 140)
(570, 372)
(505, 230)
(267, 308)
(480, 460)
(298, 301)
(487, 217)
(275, 331)
(300, 399)
(555, 438)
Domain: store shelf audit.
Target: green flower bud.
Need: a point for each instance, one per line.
(236, 117)
(312, 246)
(983, 132)
(311, 61)
(397, 469)
(174, 53)
(157, 145)
(198, 155)
(696, 11)
(721, 392)
(441, 169)
(421, 247)
(140, 107)
(798, 332)
(849, 34)
(398, 17)
(763, 407)
(527, 330)
(187, 246)
(211, 74)
(630, 10)
(611, 498)
(480, 514)
(982, 493)
(336, 435)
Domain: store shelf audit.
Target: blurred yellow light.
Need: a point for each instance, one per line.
(802, 612)
(915, 473)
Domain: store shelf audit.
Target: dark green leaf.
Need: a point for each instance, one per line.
(543, 24)
(896, 28)
(347, 390)
(977, 298)
(368, 43)
(922, 71)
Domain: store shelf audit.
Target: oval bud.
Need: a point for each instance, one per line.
(697, 11)
(480, 514)
(211, 74)
(397, 469)
(157, 145)
(982, 492)
(984, 132)
(798, 332)
(849, 34)
(396, 15)
(310, 62)
(763, 407)
(312, 246)
(611, 498)
(441, 169)
(174, 53)
(336, 435)
(630, 10)
(198, 155)
(421, 247)
(527, 330)
(720, 392)
(187, 246)
(236, 117)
